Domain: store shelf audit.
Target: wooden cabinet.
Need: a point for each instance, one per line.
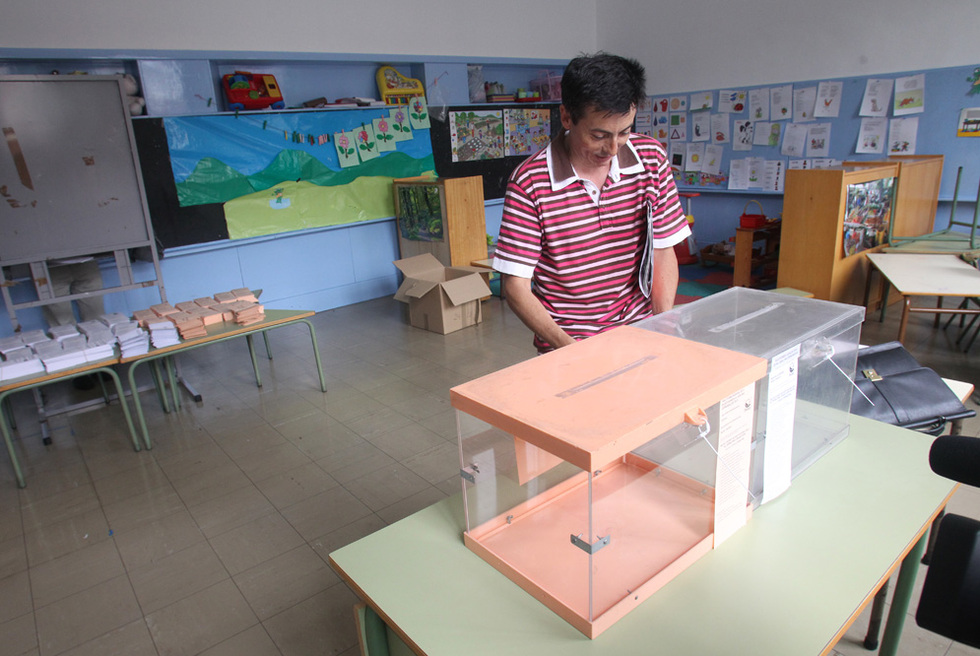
(917, 195)
(749, 258)
(441, 216)
(829, 227)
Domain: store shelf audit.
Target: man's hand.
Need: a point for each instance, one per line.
(529, 310)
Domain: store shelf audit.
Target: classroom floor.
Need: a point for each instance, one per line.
(215, 542)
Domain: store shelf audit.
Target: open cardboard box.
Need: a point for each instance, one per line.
(440, 298)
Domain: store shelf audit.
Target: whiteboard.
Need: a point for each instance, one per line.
(69, 174)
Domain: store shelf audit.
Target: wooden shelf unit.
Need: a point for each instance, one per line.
(463, 215)
(811, 256)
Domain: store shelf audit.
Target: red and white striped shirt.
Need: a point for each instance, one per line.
(583, 253)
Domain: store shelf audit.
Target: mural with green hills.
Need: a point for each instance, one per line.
(213, 181)
(297, 191)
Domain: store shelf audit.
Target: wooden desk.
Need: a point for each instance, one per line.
(219, 333)
(745, 261)
(923, 275)
(790, 582)
(39, 380)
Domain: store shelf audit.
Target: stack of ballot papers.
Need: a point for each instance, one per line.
(61, 332)
(67, 353)
(133, 340)
(188, 325)
(19, 361)
(112, 318)
(163, 333)
(246, 312)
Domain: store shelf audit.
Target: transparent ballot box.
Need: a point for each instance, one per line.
(595, 473)
(804, 400)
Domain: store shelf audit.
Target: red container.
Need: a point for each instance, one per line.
(752, 220)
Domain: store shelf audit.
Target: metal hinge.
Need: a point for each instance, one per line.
(469, 473)
(590, 548)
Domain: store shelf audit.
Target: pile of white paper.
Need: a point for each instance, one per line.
(18, 361)
(163, 333)
(60, 355)
(101, 343)
(132, 339)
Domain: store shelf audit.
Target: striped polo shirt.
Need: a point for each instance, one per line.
(581, 250)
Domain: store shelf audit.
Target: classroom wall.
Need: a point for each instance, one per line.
(469, 28)
(708, 44)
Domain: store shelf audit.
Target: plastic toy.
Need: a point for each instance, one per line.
(395, 88)
(246, 90)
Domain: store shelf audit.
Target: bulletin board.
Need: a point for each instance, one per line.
(491, 140)
(760, 132)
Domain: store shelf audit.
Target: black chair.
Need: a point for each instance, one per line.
(950, 601)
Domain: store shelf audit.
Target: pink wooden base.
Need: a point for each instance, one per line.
(659, 524)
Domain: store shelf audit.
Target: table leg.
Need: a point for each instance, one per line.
(9, 410)
(168, 362)
(268, 347)
(903, 324)
(139, 406)
(10, 445)
(939, 306)
(901, 598)
(316, 356)
(125, 407)
(159, 384)
(255, 362)
(877, 612)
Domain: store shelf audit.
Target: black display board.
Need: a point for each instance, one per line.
(173, 225)
(495, 172)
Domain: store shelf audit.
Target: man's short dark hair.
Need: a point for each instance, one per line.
(604, 82)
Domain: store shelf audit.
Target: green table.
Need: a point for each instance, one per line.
(790, 582)
(217, 333)
(39, 380)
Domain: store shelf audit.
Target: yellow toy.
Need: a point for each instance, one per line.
(395, 88)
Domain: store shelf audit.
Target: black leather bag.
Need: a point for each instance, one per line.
(904, 393)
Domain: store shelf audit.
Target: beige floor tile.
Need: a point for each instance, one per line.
(75, 620)
(156, 540)
(386, 486)
(216, 516)
(250, 642)
(437, 464)
(171, 578)
(255, 542)
(331, 509)
(143, 476)
(209, 485)
(322, 624)
(13, 557)
(200, 621)
(59, 506)
(132, 639)
(74, 572)
(341, 537)
(54, 540)
(54, 480)
(325, 439)
(19, 636)
(15, 596)
(269, 462)
(295, 485)
(240, 442)
(186, 463)
(405, 441)
(409, 505)
(144, 508)
(355, 461)
(284, 581)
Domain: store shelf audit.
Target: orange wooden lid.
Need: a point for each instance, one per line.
(598, 399)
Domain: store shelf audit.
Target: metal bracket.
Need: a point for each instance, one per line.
(590, 548)
(469, 473)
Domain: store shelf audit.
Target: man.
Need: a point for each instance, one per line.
(576, 214)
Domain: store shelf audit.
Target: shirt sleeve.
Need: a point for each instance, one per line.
(519, 242)
(669, 219)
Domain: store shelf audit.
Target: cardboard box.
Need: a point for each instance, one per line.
(440, 298)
